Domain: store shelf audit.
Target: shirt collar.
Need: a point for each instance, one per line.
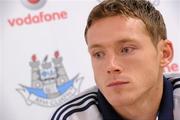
(165, 110)
(166, 106)
(107, 111)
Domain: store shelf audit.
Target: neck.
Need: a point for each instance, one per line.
(145, 108)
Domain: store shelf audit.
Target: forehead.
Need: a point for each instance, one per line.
(116, 28)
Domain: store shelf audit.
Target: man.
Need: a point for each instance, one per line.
(128, 45)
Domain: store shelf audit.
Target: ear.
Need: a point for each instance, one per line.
(167, 52)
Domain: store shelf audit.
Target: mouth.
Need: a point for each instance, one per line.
(117, 83)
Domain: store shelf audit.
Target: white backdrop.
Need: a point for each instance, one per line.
(21, 38)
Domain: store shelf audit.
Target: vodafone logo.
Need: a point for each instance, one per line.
(38, 18)
(33, 4)
(33, 1)
(172, 68)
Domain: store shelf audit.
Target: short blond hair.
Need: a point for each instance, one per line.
(141, 9)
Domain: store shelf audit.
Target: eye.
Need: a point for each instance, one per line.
(127, 50)
(98, 55)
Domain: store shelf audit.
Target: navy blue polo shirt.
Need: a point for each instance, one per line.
(165, 111)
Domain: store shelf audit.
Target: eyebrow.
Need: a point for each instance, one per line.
(95, 46)
(126, 41)
(129, 40)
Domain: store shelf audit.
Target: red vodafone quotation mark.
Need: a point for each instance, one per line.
(33, 1)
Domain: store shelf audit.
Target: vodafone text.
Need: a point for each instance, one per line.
(41, 17)
(173, 67)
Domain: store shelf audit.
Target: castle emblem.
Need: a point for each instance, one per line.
(50, 84)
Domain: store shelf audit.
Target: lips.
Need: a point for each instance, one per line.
(117, 83)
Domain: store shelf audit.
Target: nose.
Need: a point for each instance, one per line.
(114, 66)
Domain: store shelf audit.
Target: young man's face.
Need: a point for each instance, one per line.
(126, 64)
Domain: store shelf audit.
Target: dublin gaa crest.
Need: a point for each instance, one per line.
(50, 84)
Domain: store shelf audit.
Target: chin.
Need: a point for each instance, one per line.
(120, 100)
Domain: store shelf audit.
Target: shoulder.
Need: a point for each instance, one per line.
(80, 103)
(175, 79)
